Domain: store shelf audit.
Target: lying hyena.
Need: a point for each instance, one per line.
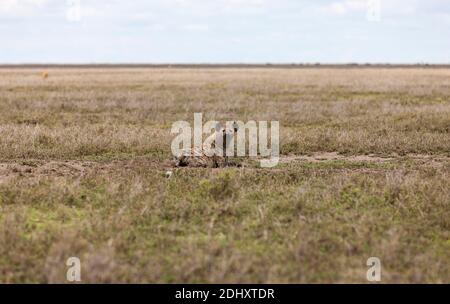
(197, 158)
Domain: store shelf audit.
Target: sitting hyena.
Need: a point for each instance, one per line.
(197, 158)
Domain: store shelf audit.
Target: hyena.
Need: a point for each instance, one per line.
(195, 157)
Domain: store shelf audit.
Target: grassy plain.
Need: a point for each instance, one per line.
(365, 172)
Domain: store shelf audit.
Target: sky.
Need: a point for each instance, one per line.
(225, 31)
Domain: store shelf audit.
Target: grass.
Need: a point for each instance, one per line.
(83, 156)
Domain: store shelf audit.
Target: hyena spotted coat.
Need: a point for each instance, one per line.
(195, 157)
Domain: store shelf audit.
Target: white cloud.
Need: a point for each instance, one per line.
(389, 7)
(245, 2)
(196, 27)
(157, 27)
(345, 7)
(208, 7)
(20, 7)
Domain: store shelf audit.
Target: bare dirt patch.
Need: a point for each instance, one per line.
(328, 156)
(334, 156)
(74, 168)
(79, 168)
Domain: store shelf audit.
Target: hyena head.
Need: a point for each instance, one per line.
(228, 134)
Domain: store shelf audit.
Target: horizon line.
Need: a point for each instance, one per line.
(231, 64)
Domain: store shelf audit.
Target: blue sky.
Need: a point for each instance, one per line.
(224, 31)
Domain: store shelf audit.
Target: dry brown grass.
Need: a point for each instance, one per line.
(364, 172)
(78, 113)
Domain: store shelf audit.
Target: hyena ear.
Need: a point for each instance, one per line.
(235, 126)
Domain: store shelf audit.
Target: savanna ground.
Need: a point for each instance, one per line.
(364, 172)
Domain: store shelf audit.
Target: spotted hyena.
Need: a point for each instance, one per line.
(195, 157)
